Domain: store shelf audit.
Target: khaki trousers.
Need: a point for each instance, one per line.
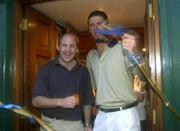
(63, 125)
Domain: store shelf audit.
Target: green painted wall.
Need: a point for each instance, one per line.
(169, 12)
(6, 67)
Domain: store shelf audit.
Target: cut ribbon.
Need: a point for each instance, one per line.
(13, 106)
(154, 86)
(24, 112)
(112, 31)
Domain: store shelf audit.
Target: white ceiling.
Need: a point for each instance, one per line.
(128, 13)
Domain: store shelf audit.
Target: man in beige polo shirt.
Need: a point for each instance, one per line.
(115, 96)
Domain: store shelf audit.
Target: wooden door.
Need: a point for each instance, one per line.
(40, 47)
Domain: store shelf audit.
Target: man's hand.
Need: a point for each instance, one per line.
(68, 102)
(128, 42)
(138, 89)
(138, 85)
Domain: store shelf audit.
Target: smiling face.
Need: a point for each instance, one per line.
(68, 48)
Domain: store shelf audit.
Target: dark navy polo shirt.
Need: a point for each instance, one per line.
(55, 81)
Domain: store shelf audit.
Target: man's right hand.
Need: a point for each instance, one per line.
(67, 102)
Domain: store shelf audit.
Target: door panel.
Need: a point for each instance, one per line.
(40, 40)
(170, 30)
(41, 61)
(154, 103)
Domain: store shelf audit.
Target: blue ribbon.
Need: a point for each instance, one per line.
(132, 58)
(32, 120)
(139, 57)
(114, 31)
(12, 106)
(9, 106)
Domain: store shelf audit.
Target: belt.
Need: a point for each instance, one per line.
(52, 117)
(119, 108)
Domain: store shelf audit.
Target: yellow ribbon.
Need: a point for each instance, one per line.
(26, 113)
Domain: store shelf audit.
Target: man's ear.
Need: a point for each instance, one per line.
(77, 50)
(57, 47)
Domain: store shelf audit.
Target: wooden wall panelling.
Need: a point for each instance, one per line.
(86, 42)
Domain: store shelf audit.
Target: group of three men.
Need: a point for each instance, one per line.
(61, 79)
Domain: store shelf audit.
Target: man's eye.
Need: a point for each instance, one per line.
(63, 45)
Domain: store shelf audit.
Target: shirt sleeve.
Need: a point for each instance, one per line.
(88, 97)
(88, 64)
(41, 84)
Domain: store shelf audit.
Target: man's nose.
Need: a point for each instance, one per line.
(96, 26)
(68, 48)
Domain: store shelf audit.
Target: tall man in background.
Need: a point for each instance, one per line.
(115, 96)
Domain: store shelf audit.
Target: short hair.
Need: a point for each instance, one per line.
(71, 34)
(98, 13)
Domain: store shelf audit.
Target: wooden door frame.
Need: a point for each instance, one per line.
(18, 73)
(20, 63)
(153, 43)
